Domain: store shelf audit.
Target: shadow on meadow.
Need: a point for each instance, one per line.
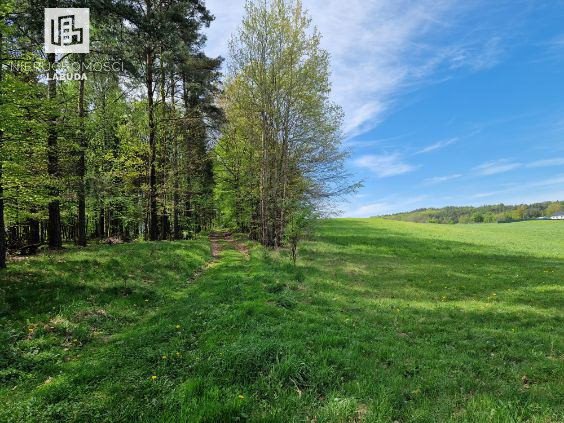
(52, 307)
(373, 327)
(97, 274)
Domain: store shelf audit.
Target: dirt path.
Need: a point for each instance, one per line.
(214, 238)
(216, 248)
(239, 246)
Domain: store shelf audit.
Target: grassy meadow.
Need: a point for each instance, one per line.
(381, 321)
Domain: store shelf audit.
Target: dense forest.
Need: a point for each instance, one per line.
(484, 214)
(152, 141)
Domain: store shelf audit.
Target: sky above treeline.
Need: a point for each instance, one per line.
(446, 102)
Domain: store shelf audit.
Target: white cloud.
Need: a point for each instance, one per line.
(554, 180)
(387, 206)
(505, 165)
(439, 179)
(228, 15)
(529, 192)
(478, 57)
(385, 165)
(497, 166)
(369, 210)
(557, 41)
(532, 197)
(375, 51)
(486, 194)
(523, 192)
(438, 145)
(551, 50)
(387, 142)
(547, 163)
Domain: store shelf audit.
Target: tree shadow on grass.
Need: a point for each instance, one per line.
(250, 340)
(98, 274)
(240, 349)
(53, 306)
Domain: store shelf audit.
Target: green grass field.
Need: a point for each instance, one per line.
(381, 321)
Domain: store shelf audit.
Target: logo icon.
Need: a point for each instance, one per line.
(67, 30)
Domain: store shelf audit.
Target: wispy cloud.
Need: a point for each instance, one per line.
(438, 145)
(368, 210)
(556, 42)
(551, 50)
(546, 189)
(547, 163)
(554, 180)
(399, 44)
(524, 189)
(386, 142)
(387, 206)
(486, 194)
(497, 166)
(439, 179)
(385, 165)
(228, 15)
(506, 165)
(478, 56)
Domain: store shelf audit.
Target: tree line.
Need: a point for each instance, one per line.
(498, 213)
(121, 153)
(153, 143)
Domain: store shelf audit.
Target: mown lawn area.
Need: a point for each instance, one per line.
(381, 321)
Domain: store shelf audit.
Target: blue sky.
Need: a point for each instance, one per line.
(446, 102)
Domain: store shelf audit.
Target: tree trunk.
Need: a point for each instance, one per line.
(153, 218)
(164, 225)
(163, 151)
(176, 185)
(34, 236)
(263, 187)
(54, 224)
(2, 227)
(189, 206)
(101, 223)
(81, 162)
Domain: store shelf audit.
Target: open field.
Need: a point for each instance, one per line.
(381, 321)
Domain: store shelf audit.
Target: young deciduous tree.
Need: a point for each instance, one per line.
(282, 143)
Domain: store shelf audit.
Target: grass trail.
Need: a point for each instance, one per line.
(381, 321)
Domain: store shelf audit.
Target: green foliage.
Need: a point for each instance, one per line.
(298, 227)
(553, 208)
(24, 178)
(477, 218)
(101, 160)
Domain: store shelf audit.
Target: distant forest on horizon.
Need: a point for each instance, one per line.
(498, 213)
